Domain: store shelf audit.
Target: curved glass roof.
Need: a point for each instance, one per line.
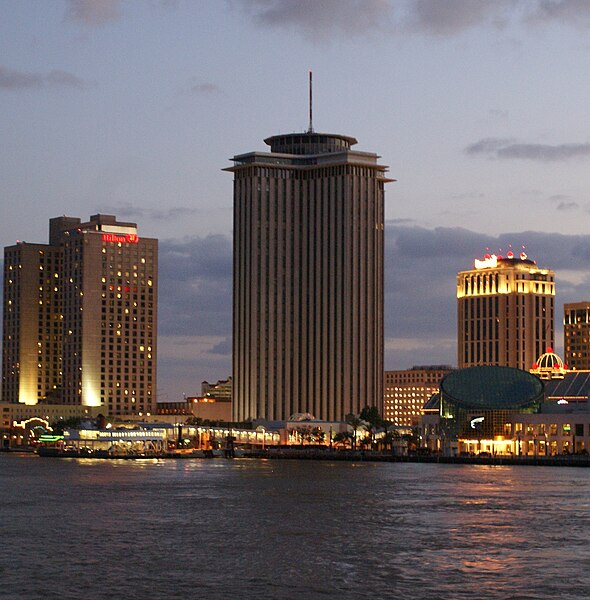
(492, 388)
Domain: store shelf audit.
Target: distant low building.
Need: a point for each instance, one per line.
(576, 334)
(221, 391)
(206, 408)
(406, 392)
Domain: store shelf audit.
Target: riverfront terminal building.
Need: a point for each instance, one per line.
(505, 312)
(308, 279)
(80, 317)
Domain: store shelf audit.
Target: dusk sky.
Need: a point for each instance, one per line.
(134, 107)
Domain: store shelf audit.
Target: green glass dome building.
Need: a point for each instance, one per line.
(477, 402)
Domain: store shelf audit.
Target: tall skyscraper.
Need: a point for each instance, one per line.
(80, 317)
(308, 278)
(576, 335)
(505, 312)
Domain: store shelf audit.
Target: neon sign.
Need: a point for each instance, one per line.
(128, 238)
(489, 260)
(476, 422)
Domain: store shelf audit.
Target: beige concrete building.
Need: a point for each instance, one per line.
(505, 312)
(406, 392)
(308, 278)
(80, 317)
(576, 335)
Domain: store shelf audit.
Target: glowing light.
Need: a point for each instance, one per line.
(129, 238)
(474, 422)
(489, 261)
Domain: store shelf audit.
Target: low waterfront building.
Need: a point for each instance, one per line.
(20, 422)
(203, 407)
(505, 411)
(220, 391)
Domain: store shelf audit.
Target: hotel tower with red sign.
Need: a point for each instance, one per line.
(505, 312)
(80, 317)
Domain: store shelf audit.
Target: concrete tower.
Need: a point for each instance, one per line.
(308, 278)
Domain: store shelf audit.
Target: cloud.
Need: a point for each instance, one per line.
(129, 211)
(196, 286)
(455, 16)
(498, 113)
(93, 13)
(202, 88)
(568, 205)
(224, 348)
(11, 79)
(567, 12)
(511, 149)
(319, 19)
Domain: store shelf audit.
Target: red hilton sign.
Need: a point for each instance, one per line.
(129, 238)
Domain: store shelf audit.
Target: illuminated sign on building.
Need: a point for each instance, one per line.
(128, 238)
(489, 260)
(476, 423)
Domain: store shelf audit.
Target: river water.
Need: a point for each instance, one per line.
(286, 529)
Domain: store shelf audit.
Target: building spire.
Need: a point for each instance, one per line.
(310, 130)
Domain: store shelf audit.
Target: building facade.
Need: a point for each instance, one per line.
(505, 312)
(508, 412)
(308, 279)
(80, 317)
(406, 392)
(576, 335)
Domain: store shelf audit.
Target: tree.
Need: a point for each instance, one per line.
(371, 416)
(356, 423)
(342, 438)
(318, 435)
(61, 425)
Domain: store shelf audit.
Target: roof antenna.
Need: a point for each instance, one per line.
(310, 130)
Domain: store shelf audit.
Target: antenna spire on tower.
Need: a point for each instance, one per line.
(310, 130)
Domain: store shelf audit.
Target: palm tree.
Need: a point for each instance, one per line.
(356, 423)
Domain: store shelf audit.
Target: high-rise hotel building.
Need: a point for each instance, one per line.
(80, 317)
(505, 312)
(576, 336)
(308, 278)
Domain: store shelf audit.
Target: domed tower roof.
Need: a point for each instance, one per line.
(549, 366)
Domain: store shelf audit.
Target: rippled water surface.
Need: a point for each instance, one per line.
(291, 529)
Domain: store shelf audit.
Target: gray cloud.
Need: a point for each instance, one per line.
(567, 205)
(195, 286)
(224, 348)
(454, 16)
(10, 79)
(202, 88)
(129, 211)
(321, 19)
(93, 13)
(318, 19)
(498, 113)
(510, 149)
(421, 266)
(568, 12)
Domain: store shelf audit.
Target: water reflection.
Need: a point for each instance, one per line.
(291, 529)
